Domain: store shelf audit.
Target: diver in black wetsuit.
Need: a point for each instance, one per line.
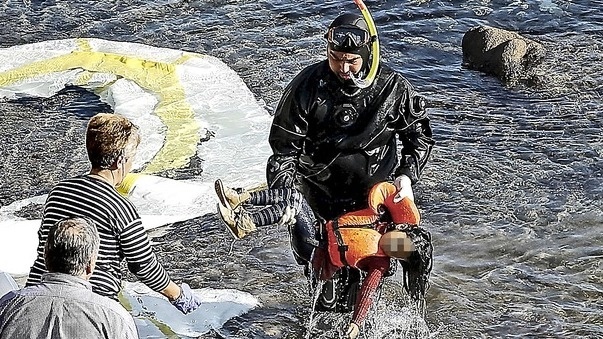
(333, 139)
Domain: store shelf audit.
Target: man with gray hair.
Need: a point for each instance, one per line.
(63, 304)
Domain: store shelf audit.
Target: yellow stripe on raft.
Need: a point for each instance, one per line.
(160, 78)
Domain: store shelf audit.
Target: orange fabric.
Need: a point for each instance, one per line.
(358, 218)
(363, 243)
(402, 212)
(322, 264)
(379, 194)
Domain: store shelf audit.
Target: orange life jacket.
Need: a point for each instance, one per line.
(355, 236)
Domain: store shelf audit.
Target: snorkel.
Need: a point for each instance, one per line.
(370, 77)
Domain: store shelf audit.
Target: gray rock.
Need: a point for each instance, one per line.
(505, 54)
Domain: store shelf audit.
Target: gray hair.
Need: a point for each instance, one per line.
(72, 245)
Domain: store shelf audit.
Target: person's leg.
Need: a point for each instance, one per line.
(303, 231)
(339, 292)
(264, 197)
(378, 266)
(276, 200)
(266, 207)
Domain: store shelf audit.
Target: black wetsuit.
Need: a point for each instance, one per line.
(334, 142)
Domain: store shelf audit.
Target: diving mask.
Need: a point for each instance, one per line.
(347, 37)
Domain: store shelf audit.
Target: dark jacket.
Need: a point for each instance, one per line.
(335, 142)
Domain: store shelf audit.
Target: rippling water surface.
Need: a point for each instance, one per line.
(513, 194)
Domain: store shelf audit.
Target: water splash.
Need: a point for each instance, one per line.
(393, 316)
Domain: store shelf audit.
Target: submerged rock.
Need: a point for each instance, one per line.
(505, 54)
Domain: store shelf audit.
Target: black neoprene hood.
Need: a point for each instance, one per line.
(352, 20)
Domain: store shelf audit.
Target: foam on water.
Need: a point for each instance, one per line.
(151, 310)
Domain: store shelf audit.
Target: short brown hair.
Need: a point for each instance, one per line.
(108, 137)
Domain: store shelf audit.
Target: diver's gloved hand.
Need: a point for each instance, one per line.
(187, 302)
(404, 186)
(352, 332)
(288, 217)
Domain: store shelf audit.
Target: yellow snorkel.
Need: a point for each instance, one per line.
(370, 77)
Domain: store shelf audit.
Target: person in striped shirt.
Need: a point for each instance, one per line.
(111, 144)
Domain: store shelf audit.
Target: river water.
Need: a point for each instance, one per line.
(512, 195)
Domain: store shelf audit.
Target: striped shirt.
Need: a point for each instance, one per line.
(120, 230)
(63, 306)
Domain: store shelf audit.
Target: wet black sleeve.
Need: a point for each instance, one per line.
(287, 136)
(414, 133)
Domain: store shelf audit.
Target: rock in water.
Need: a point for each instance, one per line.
(505, 54)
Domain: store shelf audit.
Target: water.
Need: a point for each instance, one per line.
(512, 195)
